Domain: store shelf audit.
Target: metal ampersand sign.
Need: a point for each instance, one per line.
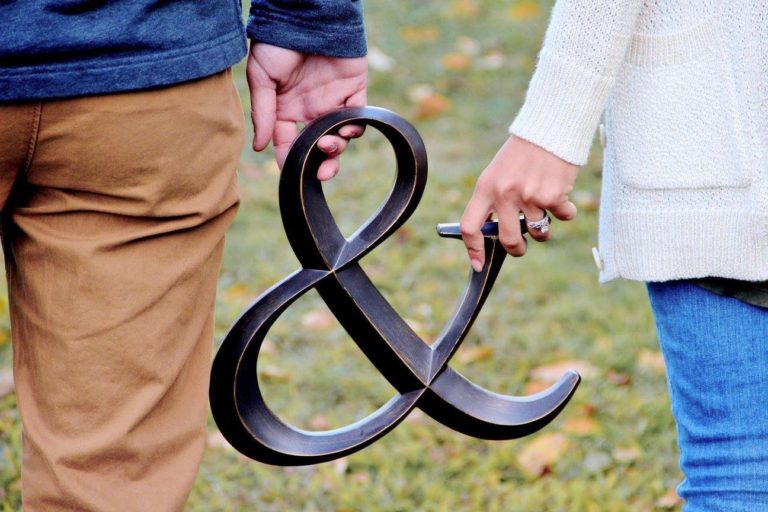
(419, 372)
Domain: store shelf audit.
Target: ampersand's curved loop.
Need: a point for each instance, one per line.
(419, 372)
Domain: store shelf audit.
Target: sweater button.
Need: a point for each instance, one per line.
(598, 259)
(603, 136)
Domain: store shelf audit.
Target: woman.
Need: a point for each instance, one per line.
(683, 85)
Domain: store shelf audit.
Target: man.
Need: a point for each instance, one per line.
(120, 131)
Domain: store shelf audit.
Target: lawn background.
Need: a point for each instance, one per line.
(457, 69)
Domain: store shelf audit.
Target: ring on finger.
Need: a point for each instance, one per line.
(541, 225)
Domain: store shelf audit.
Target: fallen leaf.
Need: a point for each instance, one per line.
(493, 60)
(536, 386)
(474, 353)
(464, 8)
(318, 319)
(553, 372)
(268, 347)
(581, 426)
(651, 360)
(379, 61)
(237, 292)
(319, 422)
(340, 465)
(416, 416)
(539, 455)
(456, 61)
(620, 379)
(420, 330)
(626, 454)
(419, 35)
(453, 196)
(669, 500)
(360, 477)
(419, 92)
(468, 46)
(274, 373)
(403, 235)
(524, 10)
(588, 409)
(432, 106)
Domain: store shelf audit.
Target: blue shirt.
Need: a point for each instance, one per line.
(66, 48)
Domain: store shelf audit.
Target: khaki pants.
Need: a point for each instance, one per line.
(114, 210)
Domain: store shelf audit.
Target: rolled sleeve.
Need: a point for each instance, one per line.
(333, 28)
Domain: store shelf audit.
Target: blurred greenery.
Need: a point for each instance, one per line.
(458, 70)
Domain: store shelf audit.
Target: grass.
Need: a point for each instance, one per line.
(459, 74)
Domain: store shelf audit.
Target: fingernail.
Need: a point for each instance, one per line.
(477, 265)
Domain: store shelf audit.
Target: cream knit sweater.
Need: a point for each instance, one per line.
(684, 88)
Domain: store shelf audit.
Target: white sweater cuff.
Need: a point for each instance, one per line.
(562, 108)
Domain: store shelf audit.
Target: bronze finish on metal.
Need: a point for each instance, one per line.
(419, 372)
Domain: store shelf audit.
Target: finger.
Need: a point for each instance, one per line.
(332, 145)
(540, 234)
(328, 169)
(282, 138)
(351, 131)
(263, 104)
(564, 211)
(473, 218)
(358, 99)
(509, 229)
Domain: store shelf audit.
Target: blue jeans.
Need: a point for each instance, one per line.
(716, 352)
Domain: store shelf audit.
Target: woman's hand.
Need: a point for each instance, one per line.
(521, 178)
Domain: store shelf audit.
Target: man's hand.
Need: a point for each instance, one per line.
(522, 177)
(288, 87)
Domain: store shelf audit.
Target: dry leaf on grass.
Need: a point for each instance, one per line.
(581, 426)
(464, 8)
(433, 105)
(651, 360)
(626, 454)
(620, 379)
(319, 422)
(553, 372)
(536, 386)
(456, 61)
(340, 465)
(524, 10)
(318, 319)
(670, 500)
(476, 353)
(539, 455)
(274, 373)
(379, 61)
(419, 35)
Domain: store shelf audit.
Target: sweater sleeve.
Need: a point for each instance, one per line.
(583, 49)
(333, 28)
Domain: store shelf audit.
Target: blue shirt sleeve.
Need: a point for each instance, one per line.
(333, 28)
